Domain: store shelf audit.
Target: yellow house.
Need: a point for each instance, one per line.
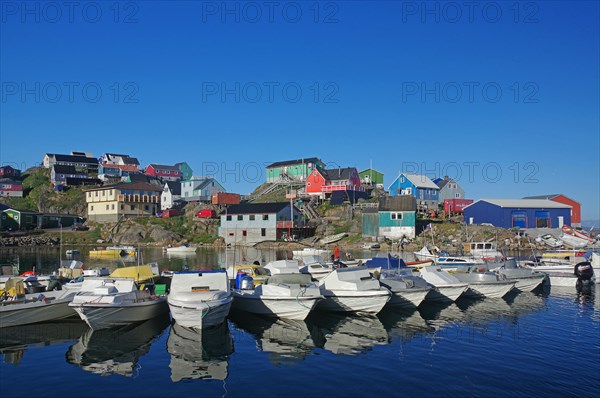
(110, 203)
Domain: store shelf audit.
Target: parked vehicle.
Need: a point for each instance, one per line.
(222, 198)
(169, 213)
(206, 213)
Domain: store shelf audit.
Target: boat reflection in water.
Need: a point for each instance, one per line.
(14, 341)
(199, 354)
(115, 351)
(347, 334)
(285, 340)
(403, 323)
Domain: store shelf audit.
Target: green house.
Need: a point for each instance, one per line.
(13, 220)
(58, 220)
(371, 177)
(297, 169)
(185, 169)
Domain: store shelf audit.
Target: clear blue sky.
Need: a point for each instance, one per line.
(489, 89)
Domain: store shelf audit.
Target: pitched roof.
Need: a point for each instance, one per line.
(73, 158)
(338, 174)
(126, 158)
(398, 203)
(76, 181)
(524, 203)
(420, 181)
(370, 168)
(163, 167)
(255, 208)
(441, 182)
(174, 187)
(63, 169)
(124, 167)
(295, 161)
(552, 196)
(138, 186)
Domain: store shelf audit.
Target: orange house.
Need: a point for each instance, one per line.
(560, 198)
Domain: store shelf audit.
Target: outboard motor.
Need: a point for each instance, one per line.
(584, 273)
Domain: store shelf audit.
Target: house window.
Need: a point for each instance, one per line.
(263, 232)
(92, 208)
(457, 195)
(102, 193)
(231, 234)
(252, 217)
(265, 217)
(308, 184)
(244, 233)
(228, 218)
(112, 207)
(240, 217)
(106, 207)
(96, 193)
(122, 207)
(401, 179)
(132, 207)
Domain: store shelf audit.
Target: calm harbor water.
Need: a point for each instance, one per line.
(543, 344)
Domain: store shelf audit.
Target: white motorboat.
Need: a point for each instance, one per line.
(109, 302)
(485, 284)
(526, 279)
(549, 240)
(315, 266)
(407, 290)
(352, 290)
(482, 250)
(18, 308)
(290, 296)
(457, 263)
(183, 249)
(574, 241)
(310, 251)
(200, 299)
(371, 246)
(283, 267)
(427, 254)
(333, 238)
(447, 287)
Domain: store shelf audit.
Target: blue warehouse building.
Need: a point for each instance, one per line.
(522, 213)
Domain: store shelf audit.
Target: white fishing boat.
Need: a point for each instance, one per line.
(18, 308)
(290, 296)
(482, 250)
(326, 240)
(457, 263)
(315, 266)
(183, 249)
(577, 233)
(447, 287)
(574, 241)
(526, 279)
(311, 251)
(549, 240)
(408, 290)
(352, 290)
(283, 267)
(200, 299)
(109, 302)
(485, 284)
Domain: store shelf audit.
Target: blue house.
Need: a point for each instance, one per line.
(522, 213)
(421, 187)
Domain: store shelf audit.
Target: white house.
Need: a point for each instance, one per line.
(200, 189)
(171, 193)
(247, 224)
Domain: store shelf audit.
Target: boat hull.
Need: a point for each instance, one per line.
(296, 308)
(491, 290)
(102, 316)
(354, 301)
(24, 314)
(448, 294)
(529, 284)
(408, 299)
(203, 315)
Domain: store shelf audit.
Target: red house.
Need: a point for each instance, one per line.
(323, 182)
(11, 188)
(166, 173)
(560, 198)
(9, 172)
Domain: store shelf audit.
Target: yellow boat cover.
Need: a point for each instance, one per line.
(138, 273)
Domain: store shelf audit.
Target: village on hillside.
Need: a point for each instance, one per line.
(288, 206)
